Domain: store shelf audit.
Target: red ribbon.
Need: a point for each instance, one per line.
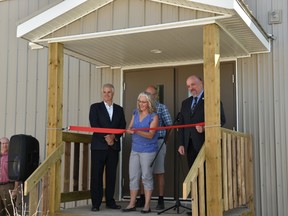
(120, 131)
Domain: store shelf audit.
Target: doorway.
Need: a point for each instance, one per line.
(172, 83)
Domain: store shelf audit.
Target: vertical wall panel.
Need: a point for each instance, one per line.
(73, 85)
(136, 13)
(104, 22)
(42, 100)
(169, 13)
(120, 14)
(152, 13)
(22, 78)
(31, 97)
(84, 94)
(12, 69)
(4, 66)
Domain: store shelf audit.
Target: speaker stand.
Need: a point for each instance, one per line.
(177, 188)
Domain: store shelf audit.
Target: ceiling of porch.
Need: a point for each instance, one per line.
(162, 44)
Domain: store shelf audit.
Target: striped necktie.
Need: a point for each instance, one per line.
(194, 103)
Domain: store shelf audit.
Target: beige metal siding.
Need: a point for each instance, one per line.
(269, 122)
(261, 80)
(123, 14)
(24, 75)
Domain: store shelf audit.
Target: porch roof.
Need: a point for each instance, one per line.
(162, 44)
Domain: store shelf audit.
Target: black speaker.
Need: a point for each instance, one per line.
(23, 156)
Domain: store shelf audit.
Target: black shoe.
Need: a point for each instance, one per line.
(129, 209)
(160, 206)
(189, 213)
(145, 211)
(140, 202)
(113, 206)
(95, 209)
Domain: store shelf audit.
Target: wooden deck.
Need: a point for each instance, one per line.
(86, 210)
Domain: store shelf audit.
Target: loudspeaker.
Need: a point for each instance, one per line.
(23, 156)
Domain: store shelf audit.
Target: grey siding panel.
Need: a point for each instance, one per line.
(105, 18)
(73, 85)
(270, 147)
(22, 88)
(136, 13)
(89, 23)
(12, 69)
(84, 92)
(42, 103)
(169, 13)
(4, 65)
(152, 13)
(120, 8)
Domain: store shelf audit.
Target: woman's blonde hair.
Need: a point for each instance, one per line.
(150, 100)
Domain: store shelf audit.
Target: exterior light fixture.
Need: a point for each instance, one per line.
(156, 51)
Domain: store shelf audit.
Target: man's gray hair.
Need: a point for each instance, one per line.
(108, 85)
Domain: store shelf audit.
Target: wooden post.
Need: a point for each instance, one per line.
(211, 51)
(54, 132)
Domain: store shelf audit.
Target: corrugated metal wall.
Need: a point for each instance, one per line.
(263, 105)
(23, 75)
(261, 80)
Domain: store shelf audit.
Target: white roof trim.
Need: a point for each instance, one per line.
(158, 27)
(223, 4)
(49, 15)
(252, 26)
(193, 5)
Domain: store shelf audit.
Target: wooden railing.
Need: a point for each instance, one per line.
(80, 188)
(237, 174)
(80, 181)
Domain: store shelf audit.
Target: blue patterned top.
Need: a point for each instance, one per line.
(139, 143)
(164, 118)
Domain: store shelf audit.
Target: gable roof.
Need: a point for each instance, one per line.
(240, 34)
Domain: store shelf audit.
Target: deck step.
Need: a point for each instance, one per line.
(241, 211)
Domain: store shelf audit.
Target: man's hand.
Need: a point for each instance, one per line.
(200, 129)
(110, 139)
(181, 150)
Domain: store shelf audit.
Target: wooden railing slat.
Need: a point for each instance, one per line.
(224, 171)
(202, 197)
(230, 171)
(234, 171)
(76, 166)
(194, 197)
(243, 191)
(67, 157)
(85, 167)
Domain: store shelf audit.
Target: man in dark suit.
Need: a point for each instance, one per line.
(105, 147)
(192, 112)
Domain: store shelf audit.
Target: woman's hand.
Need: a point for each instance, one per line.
(129, 131)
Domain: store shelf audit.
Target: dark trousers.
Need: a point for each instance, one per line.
(100, 159)
(191, 154)
(6, 206)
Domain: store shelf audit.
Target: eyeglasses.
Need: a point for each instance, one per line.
(139, 101)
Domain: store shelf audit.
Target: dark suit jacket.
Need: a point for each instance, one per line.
(187, 117)
(99, 117)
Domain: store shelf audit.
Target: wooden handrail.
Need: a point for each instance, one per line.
(36, 176)
(237, 174)
(193, 173)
